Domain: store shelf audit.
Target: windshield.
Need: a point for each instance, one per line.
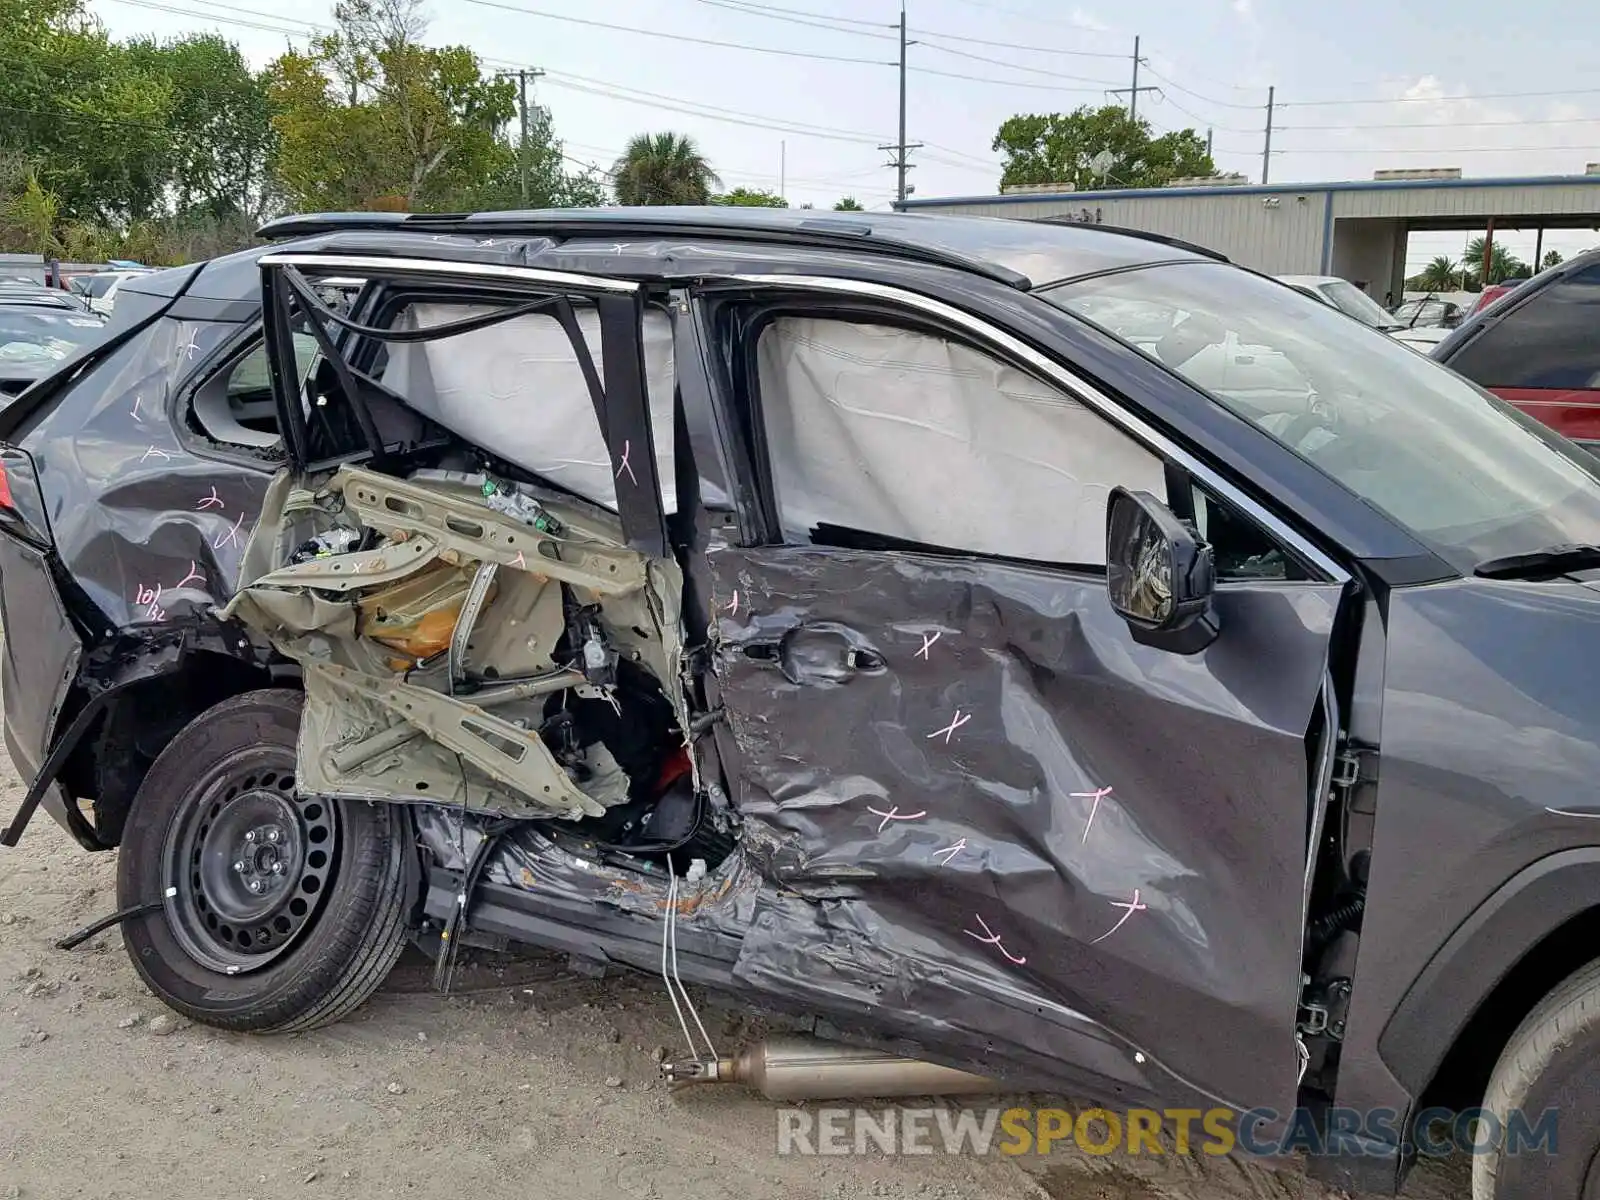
(1467, 473)
(1351, 300)
(36, 335)
(98, 285)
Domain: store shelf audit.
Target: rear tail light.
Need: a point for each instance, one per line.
(22, 512)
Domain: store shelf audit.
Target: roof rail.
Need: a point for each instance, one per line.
(824, 232)
(1175, 243)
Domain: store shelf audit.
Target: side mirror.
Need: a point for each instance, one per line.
(1159, 574)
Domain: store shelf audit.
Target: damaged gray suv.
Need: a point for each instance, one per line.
(1047, 655)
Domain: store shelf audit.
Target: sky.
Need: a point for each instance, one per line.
(801, 93)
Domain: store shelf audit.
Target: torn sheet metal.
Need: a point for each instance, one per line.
(977, 761)
(387, 636)
(878, 428)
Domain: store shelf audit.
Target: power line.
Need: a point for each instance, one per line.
(1441, 99)
(64, 114)
(671, 37)
(1198, 95)
(1000, 62)
(755, 10)
(1452, 124)
(1028, 16)
(1015, 83)
(961, 37)
(1432, 150)
(201, 16)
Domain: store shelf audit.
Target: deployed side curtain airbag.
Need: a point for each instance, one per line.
(915, 437)
(515, 388)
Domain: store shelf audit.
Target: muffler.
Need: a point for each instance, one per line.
(799, 1068)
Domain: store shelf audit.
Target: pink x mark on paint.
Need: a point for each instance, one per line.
(894, 814)
(230, 537)
(927, 644)
(212, 501)
(1097, 795)
(951, 851)
(627, 449)
(1132, 906)
(956, 723)
(193, 347)
(990, 938)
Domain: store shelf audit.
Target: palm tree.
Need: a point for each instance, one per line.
(848, 204)
(1440, 275)
(1503, 264)
(1552, 258)
(663, 168)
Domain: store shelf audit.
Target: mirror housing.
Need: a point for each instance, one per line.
(1159, 574)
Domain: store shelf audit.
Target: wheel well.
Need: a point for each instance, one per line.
(112, 759)
(1463, 1076)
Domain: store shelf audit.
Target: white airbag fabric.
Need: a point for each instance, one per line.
(516, 390)
(911, 436)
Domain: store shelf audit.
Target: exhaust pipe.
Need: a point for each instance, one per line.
(797, 1068)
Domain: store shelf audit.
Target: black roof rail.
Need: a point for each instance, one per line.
(1175, 243)
(822, 232)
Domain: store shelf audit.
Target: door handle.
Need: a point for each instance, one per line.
(823, 654)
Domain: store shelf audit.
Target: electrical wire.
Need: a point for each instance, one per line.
(1014, 66)
(1199, 95)
(671, 37)
(1013, 83)
(202, 16)
(754, 11)
(1439, 99)
(961, 37)
(1449, 125)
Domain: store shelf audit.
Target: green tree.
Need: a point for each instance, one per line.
(1060, 147)
(663, 168)
(370, 117)
(1442, 274)
(1552, 258)
(1503, 264)
(750, 198)
(28, 219)
(848, 204)
(550, 184)
(220, 135)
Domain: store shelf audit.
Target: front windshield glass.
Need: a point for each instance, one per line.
(33, 335)
(1467, 473)
(1356, 303)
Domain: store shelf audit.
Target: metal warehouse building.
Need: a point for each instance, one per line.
(1356, 230)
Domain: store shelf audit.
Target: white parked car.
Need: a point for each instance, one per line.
(100, 289)
(1347, 298)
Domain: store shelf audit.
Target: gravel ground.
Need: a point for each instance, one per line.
(535, 1082)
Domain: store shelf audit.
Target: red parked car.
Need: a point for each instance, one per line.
(1539, 347)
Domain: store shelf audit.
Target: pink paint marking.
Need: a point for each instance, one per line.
(519, 561)
(956, 723)
(951, 851)
(150, 599)
(1097, 795)
(137, 397)
(894, 814)
(627, 449)
(1132, 906)
(156, 450)
(927, 644)
(212, 501)
(231, 536)
(990, 938)
(193, 576)
(732, 606)
(193, 347)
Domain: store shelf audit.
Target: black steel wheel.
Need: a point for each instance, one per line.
(281, 911)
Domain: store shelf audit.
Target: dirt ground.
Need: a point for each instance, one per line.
(539, 1082)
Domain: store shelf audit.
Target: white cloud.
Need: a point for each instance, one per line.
(1084, 19)
(1242, 9)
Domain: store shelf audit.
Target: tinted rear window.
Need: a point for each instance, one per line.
(1551, 340)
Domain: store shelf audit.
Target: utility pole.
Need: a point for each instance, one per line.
(1208, 143)
(783, 164)
(1133, 92)
(1266, 150)
(522, 76)
(901, 148)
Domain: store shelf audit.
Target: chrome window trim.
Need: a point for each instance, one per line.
(388, 266)
(1152, 439)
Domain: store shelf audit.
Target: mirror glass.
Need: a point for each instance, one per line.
(1139, 567)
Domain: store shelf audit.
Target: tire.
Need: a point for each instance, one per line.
(1551, 1062)
(281, 912)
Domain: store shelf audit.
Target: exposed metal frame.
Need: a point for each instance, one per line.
(1078, 388)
